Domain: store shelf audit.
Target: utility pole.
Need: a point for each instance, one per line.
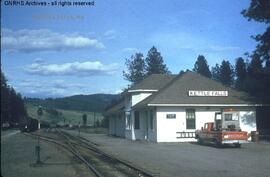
(79, 128)
(39, 113)
(38, 162)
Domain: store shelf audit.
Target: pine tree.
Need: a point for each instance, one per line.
(155, 63)
(216, 72)
(240, 73)
(255, 67)
(202, 67)
(12, 105)
(258, 79)
(135, 68)
(255, 81)
(4, 99)
(84, 119)
(259, 10)
(226, 73)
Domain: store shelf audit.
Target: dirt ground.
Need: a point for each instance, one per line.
(162, 159)
(18, 158)
(189, 159)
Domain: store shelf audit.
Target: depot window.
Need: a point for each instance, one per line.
(137, 120)
(190, 119)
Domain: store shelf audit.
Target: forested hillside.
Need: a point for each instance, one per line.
(92, 103)
(12, 106)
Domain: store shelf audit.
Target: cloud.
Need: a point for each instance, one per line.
(110, 34)
(54, 88)
(46, 93)
(60, 84)
(129, 49)
(87, 68)
(223, 48)
(56, 84)
(27, 40)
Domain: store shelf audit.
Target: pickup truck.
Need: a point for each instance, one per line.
(225, 130)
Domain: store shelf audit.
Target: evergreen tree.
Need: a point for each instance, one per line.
(181, 72)
(255, 67)
(226, 73)
(259, 10)
(4, 100)
(12, 105)
(84, 119)
(202, 67)
(240, 73)
(258, 79)
(216, 72)
(154, 63)
(135, 68)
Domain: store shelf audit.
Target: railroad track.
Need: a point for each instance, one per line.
(97, 161)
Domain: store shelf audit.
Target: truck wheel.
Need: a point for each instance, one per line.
(218, 144)
(237, 145)
(200, 141)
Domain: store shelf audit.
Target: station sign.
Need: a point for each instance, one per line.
(207, 93)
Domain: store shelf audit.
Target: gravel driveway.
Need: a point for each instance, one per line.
(190, 159)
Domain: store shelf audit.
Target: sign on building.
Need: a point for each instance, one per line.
(207, 93)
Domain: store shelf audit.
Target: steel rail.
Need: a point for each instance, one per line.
(90, 146)
(71, 150)
(97, 150)
(78, 155)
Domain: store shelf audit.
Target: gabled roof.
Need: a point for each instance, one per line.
(176, 92)
(115, 109)
(153, 82)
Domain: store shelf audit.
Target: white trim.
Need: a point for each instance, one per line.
(208, 105)
(142, 90)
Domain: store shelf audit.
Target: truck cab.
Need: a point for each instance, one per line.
(227, 120)
(224, 130)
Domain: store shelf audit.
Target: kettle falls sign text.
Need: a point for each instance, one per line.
(207, 93)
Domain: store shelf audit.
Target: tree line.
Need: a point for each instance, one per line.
(251, 74)
(139, 67)
(12, 105)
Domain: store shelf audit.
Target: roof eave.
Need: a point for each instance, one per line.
(200, 105)
(142, 90)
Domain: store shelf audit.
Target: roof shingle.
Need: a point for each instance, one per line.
(176, 92)
(153, 82)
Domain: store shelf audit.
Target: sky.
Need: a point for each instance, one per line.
(58, 51)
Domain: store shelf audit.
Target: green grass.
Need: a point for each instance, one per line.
(66, 117)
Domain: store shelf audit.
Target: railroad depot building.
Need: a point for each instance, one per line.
(169, 108)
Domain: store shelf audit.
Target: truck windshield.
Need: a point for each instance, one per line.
(230, 117)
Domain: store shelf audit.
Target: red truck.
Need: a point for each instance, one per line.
(225, 130)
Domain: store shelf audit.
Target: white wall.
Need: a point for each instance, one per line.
(131, 100)
(137, 97)
(111, 126)
(164, 130)
(144, 132)
(117, 125)
(120, 126)
(167, 128)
